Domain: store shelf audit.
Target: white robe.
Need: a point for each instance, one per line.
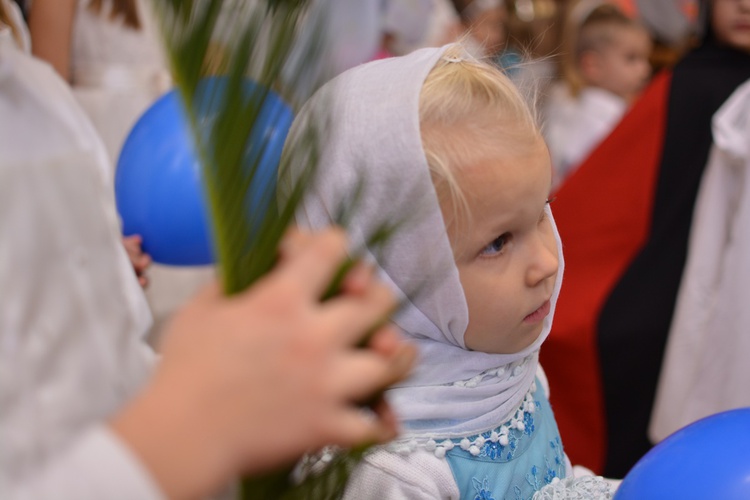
(706, 368)
(72, 320)
(574, 126)
(117, 73)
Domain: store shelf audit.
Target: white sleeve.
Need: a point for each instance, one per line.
(417, 476)
(580, 471)
(97, 466)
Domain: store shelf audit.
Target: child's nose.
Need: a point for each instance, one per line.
(545, 262)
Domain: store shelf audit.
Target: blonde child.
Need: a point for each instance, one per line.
(447, 145)
(605, 69)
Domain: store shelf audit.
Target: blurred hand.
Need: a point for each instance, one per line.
(139, 260)
(251, 382)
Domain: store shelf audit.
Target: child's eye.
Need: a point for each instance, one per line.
(496, 246)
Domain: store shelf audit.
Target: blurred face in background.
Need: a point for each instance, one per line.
(622, 67)
(488, 29)
(731, 22)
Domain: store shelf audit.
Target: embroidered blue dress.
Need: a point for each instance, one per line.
(512, 461)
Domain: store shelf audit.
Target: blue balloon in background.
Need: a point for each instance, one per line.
(709, 459)
(158, 181)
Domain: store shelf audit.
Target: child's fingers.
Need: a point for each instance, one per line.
(358, 278)
(374, 372)
(141, 263)
(385, 341)
(132, 243)
(293, 242)
(312, 260)
(351, 317)
(353, 426)
(209, 293)
(386, 414)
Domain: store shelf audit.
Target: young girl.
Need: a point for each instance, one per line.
(447, 146)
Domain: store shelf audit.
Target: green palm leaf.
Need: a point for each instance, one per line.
(227, 38)
(241, 39)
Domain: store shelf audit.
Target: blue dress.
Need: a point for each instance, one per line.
(514, 460)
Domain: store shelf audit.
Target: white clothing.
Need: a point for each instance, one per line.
(574, 126)
(420, 474)
(706, 368)
(117, 73)
(16, 17)
(409, 23)
(71, 351)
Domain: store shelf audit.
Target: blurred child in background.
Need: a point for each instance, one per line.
(603, 72)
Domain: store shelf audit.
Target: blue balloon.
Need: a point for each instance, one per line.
(158, 182)
(709, 459)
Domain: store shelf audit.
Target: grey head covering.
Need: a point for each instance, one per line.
(371, 143)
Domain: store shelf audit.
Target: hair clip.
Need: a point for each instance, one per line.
(453, 59)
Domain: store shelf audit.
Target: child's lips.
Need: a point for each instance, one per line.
(539, 314)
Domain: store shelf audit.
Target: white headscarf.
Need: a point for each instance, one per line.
(369, 117)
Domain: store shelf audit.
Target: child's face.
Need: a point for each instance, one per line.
(623, 67)
(731, 22)
(506, 252)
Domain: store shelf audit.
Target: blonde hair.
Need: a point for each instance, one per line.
(468, 109)
(7, 20)
(127, 9)
(595, 32)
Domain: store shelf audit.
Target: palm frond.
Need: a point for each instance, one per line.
(215, 49)
(243, 42)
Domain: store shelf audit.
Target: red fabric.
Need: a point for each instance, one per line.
(603, 213)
